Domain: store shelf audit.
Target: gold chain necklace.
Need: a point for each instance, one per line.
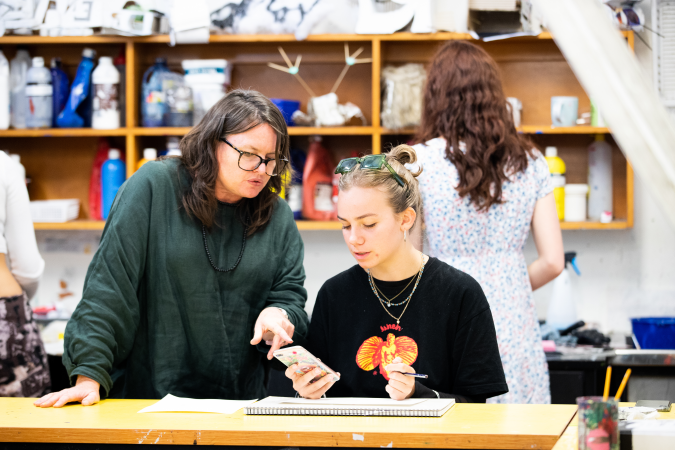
(372, 286)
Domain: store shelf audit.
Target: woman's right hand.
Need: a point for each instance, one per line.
(85, 391)
(302, 383)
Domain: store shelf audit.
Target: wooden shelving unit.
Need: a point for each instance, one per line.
(533, 70)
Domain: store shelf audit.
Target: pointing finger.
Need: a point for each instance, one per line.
(257, 333)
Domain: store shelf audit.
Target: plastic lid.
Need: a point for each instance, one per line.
(56, 62)
(89, 53)
(551, 152)
(113, 153)
(576, 189)
(38, 61)
(107, 60)
(174, 152)
(16, 158)
(150, 154)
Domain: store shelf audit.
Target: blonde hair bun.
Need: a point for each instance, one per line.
(407, 157)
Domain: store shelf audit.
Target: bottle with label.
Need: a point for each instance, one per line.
(600, 180)
(113, 174)
(77, 112)
(39, 95)
(4, 92)
(556, 167)
(105, 106)
(153, 103)
(149, 154)
(294, 191)
(317, 195)
(562, 310)
(60, 88)
(121, 66)
(18, 69)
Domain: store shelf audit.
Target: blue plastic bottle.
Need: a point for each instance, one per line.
(60, 89)
(113, 174)
(153, 103)
(77, 112)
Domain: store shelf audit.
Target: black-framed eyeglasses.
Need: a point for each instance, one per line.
(250, 161)
(372, 162)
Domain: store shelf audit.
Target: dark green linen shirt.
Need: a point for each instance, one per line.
(156, 318)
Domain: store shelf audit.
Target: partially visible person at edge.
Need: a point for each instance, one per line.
(397, 310)
(199, 262)
(24, 371)
(483, 187)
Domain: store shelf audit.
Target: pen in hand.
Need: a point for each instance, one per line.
(416, 375)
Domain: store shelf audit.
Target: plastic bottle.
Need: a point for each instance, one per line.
(317, 195)
(149, 154)
(76, 114)
(576, 205)
(154, 101)
(113, 174)
(105, 102)
(294, 192)
(18, 69)
(556, 167)
(4, 92)
(599, 178)
(39, 95)
(60, 85)
(121, 66)
(172, 147)
(562, 310)
(22, 170)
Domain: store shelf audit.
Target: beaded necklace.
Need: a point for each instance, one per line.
(241, 253)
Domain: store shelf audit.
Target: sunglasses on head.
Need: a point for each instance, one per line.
(370, 162)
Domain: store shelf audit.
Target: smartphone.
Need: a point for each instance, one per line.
(305, 360)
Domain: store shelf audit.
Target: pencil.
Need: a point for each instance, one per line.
(608, 377)
(623, 385)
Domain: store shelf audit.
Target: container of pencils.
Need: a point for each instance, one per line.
(598, 423)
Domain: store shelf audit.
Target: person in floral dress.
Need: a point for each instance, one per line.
(483, 187)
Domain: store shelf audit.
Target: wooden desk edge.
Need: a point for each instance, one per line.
(274, 438)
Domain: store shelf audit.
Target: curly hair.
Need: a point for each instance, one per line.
(238, 112)
(464, 103)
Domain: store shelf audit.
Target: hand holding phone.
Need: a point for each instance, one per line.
(311, 377)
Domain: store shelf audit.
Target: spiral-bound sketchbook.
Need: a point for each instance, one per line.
(412, 407)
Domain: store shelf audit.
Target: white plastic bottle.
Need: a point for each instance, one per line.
(39, 95)
(18, 69)
(4, 92)
(17, 160)
(599, 179)
(106, 106)
(562, 310)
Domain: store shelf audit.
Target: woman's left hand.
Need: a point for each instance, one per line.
(400, 387)
(273, 326)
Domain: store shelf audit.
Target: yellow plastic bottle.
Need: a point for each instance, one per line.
(556, 167)
(149, 154)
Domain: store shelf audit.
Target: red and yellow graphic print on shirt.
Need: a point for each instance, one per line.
(375, 352)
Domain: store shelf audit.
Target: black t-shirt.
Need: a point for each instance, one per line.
(446, 332)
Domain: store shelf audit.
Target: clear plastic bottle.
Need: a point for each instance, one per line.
(105, 107)
(154, 101)
(599, 179)
(39, 95)
(4, 92)
(562, 309)
(18, 70)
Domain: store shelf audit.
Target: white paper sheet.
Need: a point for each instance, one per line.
(356, 401)
(172, 403)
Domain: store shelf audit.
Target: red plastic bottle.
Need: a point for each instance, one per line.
(317, 195)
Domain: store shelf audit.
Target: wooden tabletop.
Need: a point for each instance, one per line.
(118, 421)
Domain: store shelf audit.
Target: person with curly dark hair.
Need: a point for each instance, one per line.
(483, 187)
(199, 263)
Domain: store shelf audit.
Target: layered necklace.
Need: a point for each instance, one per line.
(377, 291)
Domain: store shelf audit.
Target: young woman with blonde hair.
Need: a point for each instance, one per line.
(397, 308)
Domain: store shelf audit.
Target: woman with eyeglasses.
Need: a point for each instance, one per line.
(485, 186)
(397, 310)
(199, 262)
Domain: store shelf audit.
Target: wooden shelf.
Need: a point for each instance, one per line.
(616, 225)
(292, 131)
(73, 225)
(160, 131)
(63, 132)
(549, 129)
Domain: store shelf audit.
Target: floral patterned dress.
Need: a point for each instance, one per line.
(489, 246)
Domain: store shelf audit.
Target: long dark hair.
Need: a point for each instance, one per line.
(238, 112)
(464, 101)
